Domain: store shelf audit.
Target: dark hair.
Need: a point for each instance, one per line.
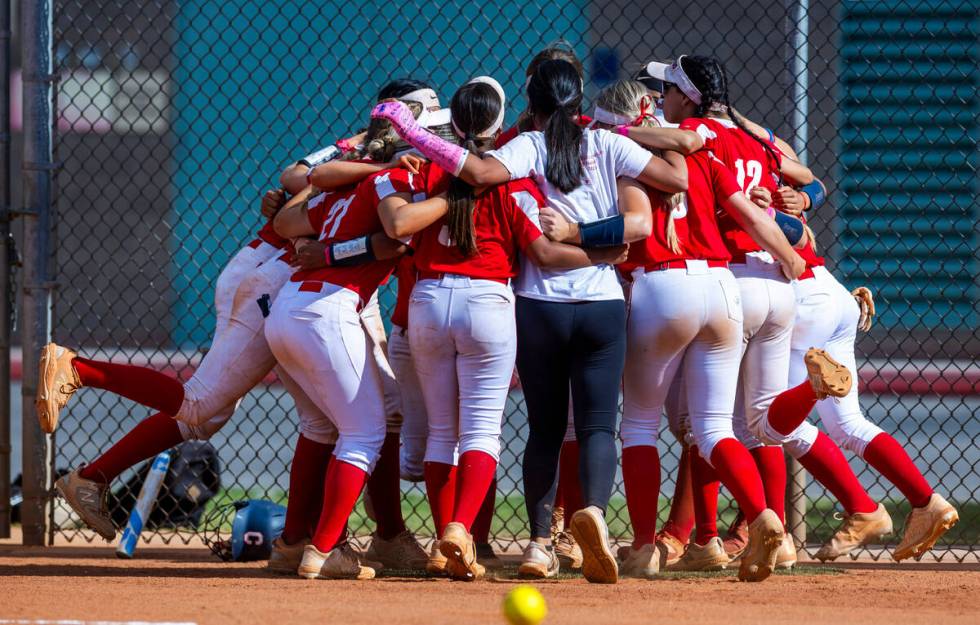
(709, 76)
(560, 50)
(555, 93)
(475, 107)
(399, 87)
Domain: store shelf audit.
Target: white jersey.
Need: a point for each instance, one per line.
(605, 157)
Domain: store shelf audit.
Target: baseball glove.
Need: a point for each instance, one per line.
(867, 305)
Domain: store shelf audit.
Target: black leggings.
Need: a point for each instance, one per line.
(582, 344)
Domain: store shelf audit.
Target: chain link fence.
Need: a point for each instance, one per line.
(173, 117)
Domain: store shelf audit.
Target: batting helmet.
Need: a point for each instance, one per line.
(255, 525)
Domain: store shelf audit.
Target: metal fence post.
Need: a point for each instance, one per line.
(796, 496)
(36, 47)
(5, 300)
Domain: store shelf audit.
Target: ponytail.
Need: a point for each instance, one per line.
(459, 218)
(563, 139)
(555, 93)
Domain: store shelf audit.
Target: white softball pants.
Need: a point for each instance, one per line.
(415, 426)
(463, 335)
(688, 318)
(769, 306)
(827, 317)
(319, 339)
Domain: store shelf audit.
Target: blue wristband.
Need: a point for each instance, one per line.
(791, 226)
(816, 192)
(772, 137)
(603, 233)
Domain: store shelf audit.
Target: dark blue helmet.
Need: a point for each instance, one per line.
(255, 525)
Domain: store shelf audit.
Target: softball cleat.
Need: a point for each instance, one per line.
(436, 564)
(57, 380)
(285, 559)
(765, 539)
(924, 526)
(339, 563)
(828, 377)
(401, 553)
(645, 562)
(88, 499)
(457, 545)
(857, 530)
(708, 557)
(568, 552)
(786, 556)
(671, 546)
(538, 562)
(590, 532)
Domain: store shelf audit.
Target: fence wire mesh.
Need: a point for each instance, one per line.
(174, 117)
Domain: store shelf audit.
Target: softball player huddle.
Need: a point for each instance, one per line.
(659, 247)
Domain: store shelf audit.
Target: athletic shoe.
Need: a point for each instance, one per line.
(557, 523)
(786, 556)
(57, 380)
(401, 553)
(828, 377)
(567, 550)
(708, 557)
(590, 532)
(765, 538)
(484, 552)
(457, 546)
(339, 563)
(857, 530)
(88, 499)
(285, 559)
(924, 526)
(436, 564)
(737, 537)
(643, 562)
(539, 561)
(671, 546)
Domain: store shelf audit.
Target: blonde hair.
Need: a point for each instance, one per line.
(625, 97)
(381, 141)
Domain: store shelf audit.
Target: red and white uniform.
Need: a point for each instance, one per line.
(315, 330)
(684, 312)
(827, 317)
(463, 332)
(768, 299)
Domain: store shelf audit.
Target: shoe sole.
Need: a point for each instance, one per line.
(534, 571)
(80, 511)
(871, 539)
(46, 407)
(598, 564)
(363, 574)
(712, 566)
(772, 540)
(456, 566)
(785, 566)
(835, 377)
(948, 520)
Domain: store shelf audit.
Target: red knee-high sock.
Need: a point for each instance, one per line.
(568, 478)
(473, 478)
(306, 477)
(886, 455)
(681, 519)
(772, 468)
(385, 490)
(641, 477)
(484, 518)
(827, 465)
(150, 436)
(791, 408)
(341, 488)
(440, 487)
(734, 465)
(704, 489)
(142, 385)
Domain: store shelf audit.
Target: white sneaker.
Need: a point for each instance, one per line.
(88, 499)
(338, 563)
(538, 562)
(643, 562)
(708, 557)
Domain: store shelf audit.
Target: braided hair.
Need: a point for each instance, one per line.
(709, 76)
(555, 93)
(475, 107)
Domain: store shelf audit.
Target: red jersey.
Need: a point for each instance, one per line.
(752, 165)
(695, 217)
(344, 216)
(405, 272)
(268, 234)
(501, 228)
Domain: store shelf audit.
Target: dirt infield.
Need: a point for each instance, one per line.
(189, 585)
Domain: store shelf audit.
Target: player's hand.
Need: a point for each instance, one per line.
(789, 201)
(272, 201)
(760, 196)
(866, 303)
(309, 254)
(411, 162)
(795, 268)
(612, 255)
(554, 225)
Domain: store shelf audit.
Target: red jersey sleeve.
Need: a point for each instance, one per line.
(397, 180)
(722, 179)
(695, 124)
(524, 198)
(316, 210)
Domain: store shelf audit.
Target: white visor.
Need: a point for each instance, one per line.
(499, 121)
(426, 97)
(433, 119)
(674, 73)
(602, 116)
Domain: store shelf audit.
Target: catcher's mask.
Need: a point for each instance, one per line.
(256, 523)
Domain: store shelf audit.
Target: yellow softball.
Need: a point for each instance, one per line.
(524, 605)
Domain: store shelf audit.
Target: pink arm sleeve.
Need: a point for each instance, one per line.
(444, 154)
